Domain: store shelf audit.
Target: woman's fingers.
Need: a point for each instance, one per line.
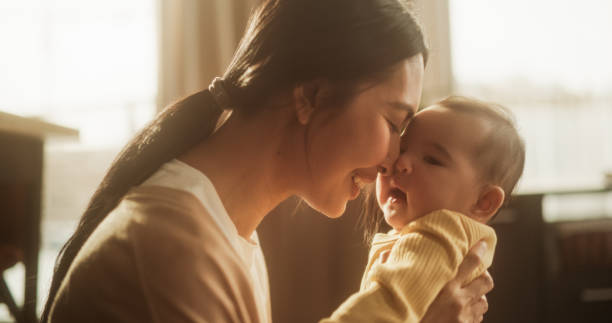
(471, 261)
(480, 306)
(450, 306)
(475, 310)
(476, 289)
(463, 304)
(480, 286)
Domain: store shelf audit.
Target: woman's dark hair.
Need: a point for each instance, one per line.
(287, 43)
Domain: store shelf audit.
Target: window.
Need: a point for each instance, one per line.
(89, 65)
(548, 61)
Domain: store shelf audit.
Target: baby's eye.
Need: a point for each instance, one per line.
(432, 161)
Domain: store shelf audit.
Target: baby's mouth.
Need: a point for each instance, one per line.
(397, 195)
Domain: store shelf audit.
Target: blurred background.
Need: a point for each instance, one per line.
(91, 73)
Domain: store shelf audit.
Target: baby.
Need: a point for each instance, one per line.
(459, 161)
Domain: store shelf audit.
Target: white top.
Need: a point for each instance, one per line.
(178, 175)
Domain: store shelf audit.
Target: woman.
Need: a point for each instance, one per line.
(319, 92)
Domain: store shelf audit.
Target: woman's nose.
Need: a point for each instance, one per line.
(386, 167)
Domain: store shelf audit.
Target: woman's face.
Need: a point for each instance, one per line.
(346, 145)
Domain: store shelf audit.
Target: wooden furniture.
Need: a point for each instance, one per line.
(551, 271)
(21, 168)
(518, 266)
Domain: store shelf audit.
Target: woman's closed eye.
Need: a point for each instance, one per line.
(394, 127)
(432, 160)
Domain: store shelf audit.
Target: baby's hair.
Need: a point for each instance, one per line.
(501, 155)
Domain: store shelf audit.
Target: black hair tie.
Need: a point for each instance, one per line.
(218, 90)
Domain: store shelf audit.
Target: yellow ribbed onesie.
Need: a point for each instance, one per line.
(420, 260)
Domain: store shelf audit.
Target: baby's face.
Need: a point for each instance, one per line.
(436, 169)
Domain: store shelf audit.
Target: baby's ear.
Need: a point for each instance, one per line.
(489, 201)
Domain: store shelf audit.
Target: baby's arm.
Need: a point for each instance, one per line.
(420, 264)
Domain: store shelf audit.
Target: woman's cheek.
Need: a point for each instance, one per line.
(379, 141)
(371, 142)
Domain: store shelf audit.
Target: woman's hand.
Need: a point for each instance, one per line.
(462, 304)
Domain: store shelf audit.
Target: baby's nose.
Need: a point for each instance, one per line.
(403, 164)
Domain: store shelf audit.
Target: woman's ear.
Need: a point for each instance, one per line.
(307, 97)
(489, 201)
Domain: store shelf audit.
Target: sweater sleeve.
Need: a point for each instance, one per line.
(421, 262)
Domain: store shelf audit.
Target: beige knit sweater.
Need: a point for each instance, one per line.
(407, 269)
(157, 257)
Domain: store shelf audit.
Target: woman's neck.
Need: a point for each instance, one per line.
(251, 161)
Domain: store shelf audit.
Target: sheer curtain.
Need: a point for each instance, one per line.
(198, 38)
(197, 41)
(553, 71)
(434, 18)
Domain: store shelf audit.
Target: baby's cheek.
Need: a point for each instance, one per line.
(383, 184)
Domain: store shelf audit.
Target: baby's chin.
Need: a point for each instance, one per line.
(397, 219)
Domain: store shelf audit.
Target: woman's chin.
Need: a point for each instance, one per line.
(335, 212)
(331, 210)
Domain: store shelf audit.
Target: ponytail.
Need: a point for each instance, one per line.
(175, 130)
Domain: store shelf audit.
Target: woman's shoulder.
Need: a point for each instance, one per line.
(155, 218)
(155, 231)
(152, 198)
(149, 213)
(157, 246)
